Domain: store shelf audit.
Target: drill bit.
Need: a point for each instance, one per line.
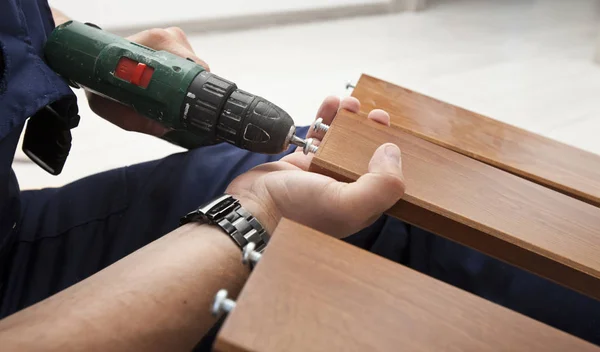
(306, 144)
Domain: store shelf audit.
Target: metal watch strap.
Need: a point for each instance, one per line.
(227, 213)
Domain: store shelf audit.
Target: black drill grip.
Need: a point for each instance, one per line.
(216, 107)
(204, 102)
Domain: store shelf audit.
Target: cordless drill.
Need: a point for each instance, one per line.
(198, 107)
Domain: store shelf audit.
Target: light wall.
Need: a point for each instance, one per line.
(123, 17)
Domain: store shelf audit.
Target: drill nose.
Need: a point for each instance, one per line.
(254, 123)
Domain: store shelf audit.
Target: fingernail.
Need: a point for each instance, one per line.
(393, 153)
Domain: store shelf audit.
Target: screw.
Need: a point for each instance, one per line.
(250, 255)
(309, 147)
(221, 303)
(350, 85)
(306, 144)
(320, 126)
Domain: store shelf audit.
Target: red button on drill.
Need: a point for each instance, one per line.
(134, 72)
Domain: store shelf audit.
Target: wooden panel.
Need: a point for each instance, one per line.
(561, 167)
(475, 204)
(311, 292)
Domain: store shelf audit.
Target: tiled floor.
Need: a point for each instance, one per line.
(528, 63)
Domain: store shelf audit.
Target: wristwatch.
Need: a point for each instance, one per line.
(226, 212)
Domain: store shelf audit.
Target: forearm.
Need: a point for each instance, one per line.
(158, 298)
(59, 16)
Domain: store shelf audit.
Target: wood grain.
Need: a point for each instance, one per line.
(311, 292)
(556, 165)
(495, 212)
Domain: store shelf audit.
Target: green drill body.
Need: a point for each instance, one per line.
(200, 108)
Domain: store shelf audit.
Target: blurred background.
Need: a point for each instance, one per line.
(530, 63)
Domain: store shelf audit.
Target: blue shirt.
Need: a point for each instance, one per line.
(27, 85)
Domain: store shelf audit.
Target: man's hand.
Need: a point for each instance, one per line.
(172, 40)
(285, 188)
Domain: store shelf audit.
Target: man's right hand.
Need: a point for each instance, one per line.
(172, 40)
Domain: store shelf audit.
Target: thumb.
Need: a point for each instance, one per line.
(379, 189)
(387, 160)
(385, 181)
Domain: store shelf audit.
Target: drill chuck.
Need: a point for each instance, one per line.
(215, 106)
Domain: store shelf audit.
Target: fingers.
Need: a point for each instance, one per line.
(327, 111)
(331, 105)
(124, 117)
(172, 39)
(380, 116)
(329, 108)
(181, 37)
(374, 192)
(351, 104)
(299, 160)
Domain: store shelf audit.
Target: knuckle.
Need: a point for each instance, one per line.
(178, 32)
(158, 35)
(396, 183)
(393, 188)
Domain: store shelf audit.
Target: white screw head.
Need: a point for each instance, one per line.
(309, 147)
(221, 303)
(218, 302)
(320, 126)
(249, 255)
(246, 253)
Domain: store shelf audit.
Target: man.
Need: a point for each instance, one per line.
(101, 264)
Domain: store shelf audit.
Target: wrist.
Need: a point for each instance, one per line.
(262, 209)
(236, 218)
(205, 233)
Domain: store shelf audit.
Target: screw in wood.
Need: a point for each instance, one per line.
(249, 255)
(306, 144)
(309, 147)
(221, 303)
(319, 126)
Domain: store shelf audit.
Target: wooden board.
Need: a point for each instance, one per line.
(556, 165)
(311, 292)
(495, 212)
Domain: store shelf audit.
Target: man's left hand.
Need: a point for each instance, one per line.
(286, 189)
